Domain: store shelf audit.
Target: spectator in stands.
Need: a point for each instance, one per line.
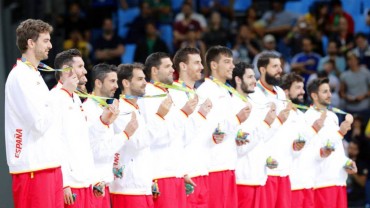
(161, 10)
(321, 18)
(222, 6)
(76, 40)
(269, 45)
(368, 18)
(251, 16)
(332, 55)
(356, 182)
(109, 47)
(277, 21)
(193, 41)
(246, 46)
(300, 30)
(354, 88)
(181, 28)
(306, 62)
(358, 132)
(338, 13)
(362, 49)
(75, 20)
(334, 83)
(126, 4)
(136, 31)
(150, 44)
(343, 37)
(216, 34)
(187, 9)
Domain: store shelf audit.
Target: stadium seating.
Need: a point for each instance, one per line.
(125, 17)
(129, 54)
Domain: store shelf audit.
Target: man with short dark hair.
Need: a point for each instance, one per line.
(251, 163)
(303, 165)
(279, 147)
(32, 122)
(306, 62)
(132, 188)
(221, 128)
(188, 63)
(362, 49)
(167, 145)
(333, 167)
(109, 47)
(79, 173)
(332, 54)
(106, 142)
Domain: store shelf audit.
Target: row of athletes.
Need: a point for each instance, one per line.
(165, 144)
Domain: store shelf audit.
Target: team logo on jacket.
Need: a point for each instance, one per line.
(18, 142)
(117, 168)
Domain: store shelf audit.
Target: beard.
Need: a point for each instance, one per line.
(246, 89)
(167, 80)
(324, 103)
(271, 80)
(297, 100)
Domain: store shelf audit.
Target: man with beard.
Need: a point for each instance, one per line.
(279, 147)
(189, 65)
(303, 166)
(333, 166)
(78, 169)
(106, 143)
(132, 188)
(251, 163)
(166, 146)
(221, 128)
(109, 47)
(32, 127)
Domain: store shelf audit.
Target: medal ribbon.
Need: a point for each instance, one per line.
(182, 83)
(101, 100)
(175, 87)
(331, 108)
(229, 88)
(44, 67)
(144, 96)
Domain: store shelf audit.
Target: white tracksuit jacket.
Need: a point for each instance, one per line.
(104, 141)
(304, 166)
(222, 156)
(280, 145)
(32, 121)
(166, 144)
(251, 163)
(78, 163)
(330, 171)
(194, 139)
(135, 156)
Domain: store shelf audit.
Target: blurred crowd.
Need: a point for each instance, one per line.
(317, 38)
